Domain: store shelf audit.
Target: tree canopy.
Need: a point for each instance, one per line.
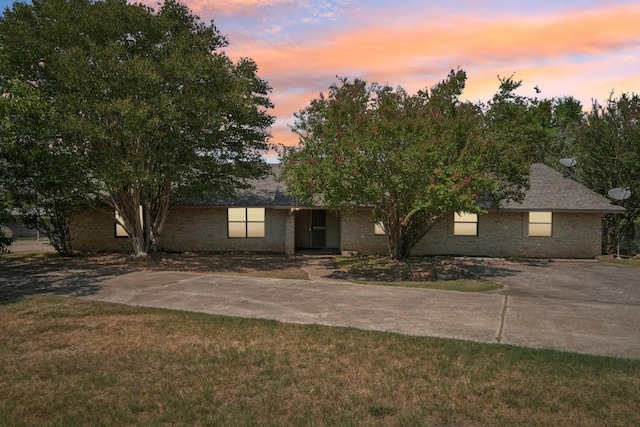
(412, 158)
(141, 106)
(607, 148)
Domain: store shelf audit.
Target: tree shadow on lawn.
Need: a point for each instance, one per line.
(421, 269)
(231, 262)
(51, 275)
(28, 274)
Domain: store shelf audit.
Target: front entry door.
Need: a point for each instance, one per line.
(318, 229)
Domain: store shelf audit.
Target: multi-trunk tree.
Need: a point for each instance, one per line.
(412, 158)
(145, 102)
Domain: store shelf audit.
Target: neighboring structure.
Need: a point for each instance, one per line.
(558, 218)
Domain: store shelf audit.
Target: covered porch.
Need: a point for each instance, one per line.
(313, 231)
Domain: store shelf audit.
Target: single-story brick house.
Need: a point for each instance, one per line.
(558, 218)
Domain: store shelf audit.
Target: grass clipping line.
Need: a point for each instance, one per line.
(68, 362)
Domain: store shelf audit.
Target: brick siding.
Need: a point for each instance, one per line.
(186, 229)
(94, 231)
(500, 234)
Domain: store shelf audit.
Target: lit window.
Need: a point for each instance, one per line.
(379, 229)
(540, 224)
(246, 222)
(120, 231)
(465, 224)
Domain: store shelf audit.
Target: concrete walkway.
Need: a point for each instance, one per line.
(599, 328)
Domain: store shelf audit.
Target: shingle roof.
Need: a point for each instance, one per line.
(267, 192)
(550, 190)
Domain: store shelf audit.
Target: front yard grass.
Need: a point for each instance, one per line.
(248, 264)
(418, 272)
(65, 361)
(422, 272)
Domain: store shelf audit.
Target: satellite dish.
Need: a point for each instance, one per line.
(568, 162)
(619, 193)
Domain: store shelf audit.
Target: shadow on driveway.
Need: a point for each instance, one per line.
(53, 276)
(490, 269)
(578, 281)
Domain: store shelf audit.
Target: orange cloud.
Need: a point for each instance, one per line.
(562, 53)
(480, 41)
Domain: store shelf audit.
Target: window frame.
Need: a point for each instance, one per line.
(247, 222)
(538, 222)
(119, 231)
(458, 218)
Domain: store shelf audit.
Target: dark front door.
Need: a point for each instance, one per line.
(318, 229)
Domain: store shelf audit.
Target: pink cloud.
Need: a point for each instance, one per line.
(541, 49)
(478, 40)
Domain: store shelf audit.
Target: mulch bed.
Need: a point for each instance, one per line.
(423, 269)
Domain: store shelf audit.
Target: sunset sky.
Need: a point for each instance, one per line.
(585, 49)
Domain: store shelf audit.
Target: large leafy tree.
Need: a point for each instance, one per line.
(45, 179)
(566, 117)
(608, 153)
(412, 158)
(519, 120)
(147, 101)
(545, 128)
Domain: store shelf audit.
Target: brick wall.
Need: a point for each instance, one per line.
(186, 229)
(93, 231)
(500, 234)
(358, 234)
(205, 229)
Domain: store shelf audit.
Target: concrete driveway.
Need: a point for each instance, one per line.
(584, 281)
(583, 307)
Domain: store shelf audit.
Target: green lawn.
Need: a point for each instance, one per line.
(70, 362)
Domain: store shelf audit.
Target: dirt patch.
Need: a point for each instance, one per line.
(419, 269)
(252, 264)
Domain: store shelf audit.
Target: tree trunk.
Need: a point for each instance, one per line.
(54, 223)
(404, 234)
(143, 215)
(399, 241)
(138, 247)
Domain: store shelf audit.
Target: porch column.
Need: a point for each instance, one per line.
(290, 233)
